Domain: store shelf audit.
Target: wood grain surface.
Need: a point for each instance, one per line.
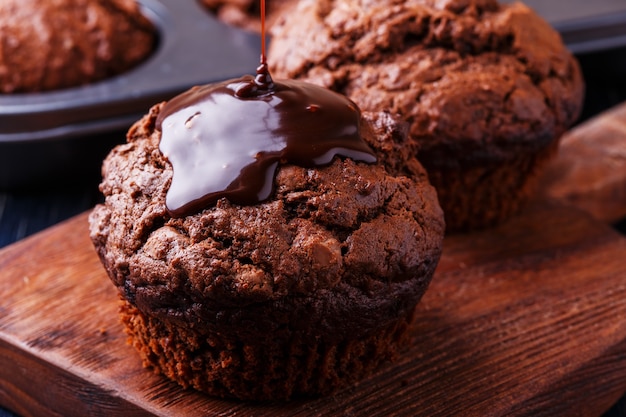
(590, 170)
(525, 319)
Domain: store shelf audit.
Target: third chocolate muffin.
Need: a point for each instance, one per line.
(49, 45)
(487, 89)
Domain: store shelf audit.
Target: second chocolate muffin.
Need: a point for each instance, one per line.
(487, 89)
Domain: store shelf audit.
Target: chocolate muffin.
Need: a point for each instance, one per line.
(299, 294)
(246, 14)
(488, 89)
(50, 45)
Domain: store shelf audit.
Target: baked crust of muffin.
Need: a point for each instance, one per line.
(332, 265)
(56, 44)
(482, 86)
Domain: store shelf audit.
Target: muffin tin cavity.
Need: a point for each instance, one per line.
(61, 134)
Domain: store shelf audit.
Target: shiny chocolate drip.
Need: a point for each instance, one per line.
(226, 140)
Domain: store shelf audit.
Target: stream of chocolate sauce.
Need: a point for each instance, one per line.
(226, 140)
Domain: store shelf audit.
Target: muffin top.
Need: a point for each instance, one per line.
(349, 245)
(473, 78)
(55, 44)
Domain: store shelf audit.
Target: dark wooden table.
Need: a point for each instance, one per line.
(24, 212)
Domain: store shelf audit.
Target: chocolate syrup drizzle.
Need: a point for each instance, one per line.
(226, 140)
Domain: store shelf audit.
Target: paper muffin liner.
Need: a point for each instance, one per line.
(482, 196)
(272, 369)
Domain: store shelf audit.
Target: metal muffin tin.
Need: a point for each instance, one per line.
(64, 134)
(586, 26)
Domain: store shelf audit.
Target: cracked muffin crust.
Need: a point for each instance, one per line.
(56, 44)
(487, 89)
(298, 295)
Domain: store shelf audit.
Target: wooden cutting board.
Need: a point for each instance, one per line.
(525, 319)
(590, 169)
